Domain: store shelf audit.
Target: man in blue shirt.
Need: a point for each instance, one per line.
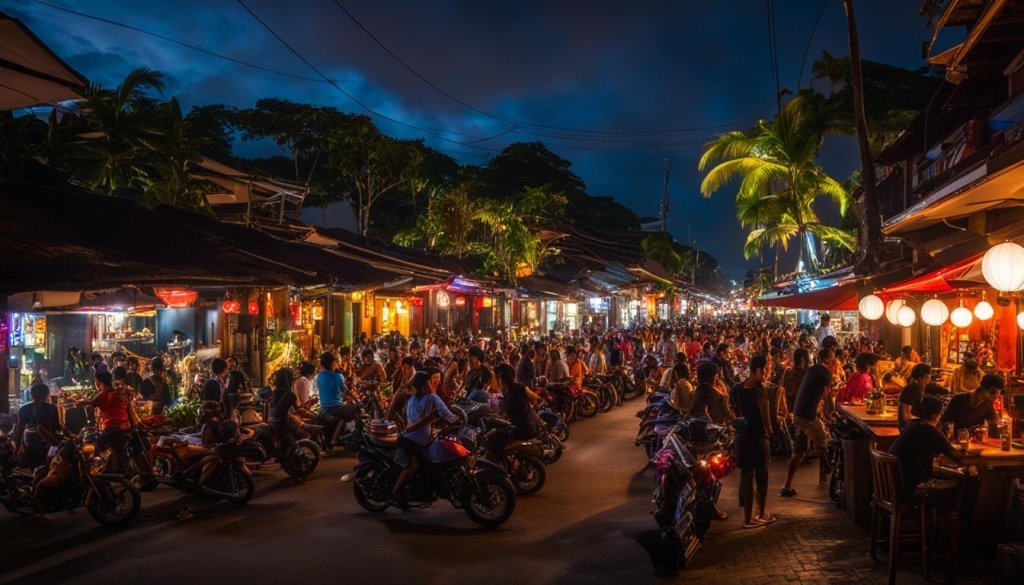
(330, 386)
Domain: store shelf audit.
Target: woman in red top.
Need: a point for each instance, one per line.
(862, 382)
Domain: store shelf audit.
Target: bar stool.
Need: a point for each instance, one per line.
(888, 497)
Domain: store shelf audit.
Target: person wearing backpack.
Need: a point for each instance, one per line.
(36, 430)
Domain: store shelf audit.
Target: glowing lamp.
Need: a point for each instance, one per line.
(230, 306)
(176, 298)
(871, 308)
(961, 317)
(357, 297)
(1003, 267)
(316, 312)
(460, 301)
(906, 317)
(296, 311)
(488, 302)
(523, 270)
(416, 302)
(892, 310)
(934, 312)
(254, 307)
(1020, 320)
(443, 300)
(401, 308)
(984, 311)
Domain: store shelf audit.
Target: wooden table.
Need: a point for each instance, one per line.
(858, 414)
(880, 432)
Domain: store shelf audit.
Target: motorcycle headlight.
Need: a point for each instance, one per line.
(88, 450)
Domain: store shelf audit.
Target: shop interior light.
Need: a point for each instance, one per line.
(906, 317)
(892, 310)
(316, 312)
(934, 312)
(1003, 267)
(871, 308)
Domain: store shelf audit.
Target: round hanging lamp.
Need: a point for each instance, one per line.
(961, 317)
(1020, 320)
(871, 308)
(984, 311)
(934, 312)
(906, 316)
(1003, 267)
(892, 310)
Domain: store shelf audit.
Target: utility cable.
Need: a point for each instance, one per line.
(807, 48)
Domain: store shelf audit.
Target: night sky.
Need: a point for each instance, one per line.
(597, 65)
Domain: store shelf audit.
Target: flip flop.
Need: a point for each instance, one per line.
(753, 524)
(766, 519)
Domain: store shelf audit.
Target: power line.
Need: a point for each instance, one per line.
(177, 42)
(514, 123)
(774, 54)
(807, 48)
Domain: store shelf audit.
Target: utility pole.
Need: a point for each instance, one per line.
(696, 259)
(664, 200)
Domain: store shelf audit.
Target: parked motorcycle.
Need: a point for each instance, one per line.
(657, 419)
(299, 458)
(110, 498)
(555, 426)
(137, 465)
(182, 464)
(522, 459)
(451, 472)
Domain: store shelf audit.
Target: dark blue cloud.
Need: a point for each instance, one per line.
(605, 65)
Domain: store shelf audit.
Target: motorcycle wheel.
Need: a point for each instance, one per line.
(364, 489)
(239, 485)
(527, 474)
(606, 400)
(303, 460)
(561, 432)
(587, 405)
(492, 504)
(553, 449)
(835, 487)
(114, 501)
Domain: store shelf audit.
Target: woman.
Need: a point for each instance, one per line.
(303, 385)
(682, 390)
(422, 410)
(237, 384)
(860, 383)
(282, 402)
(967, 377)
(754, 425)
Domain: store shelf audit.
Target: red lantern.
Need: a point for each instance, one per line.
(416, 301)
(460, 301)
(296, 310)
(176, 298)
(230, 306)
(254, 308)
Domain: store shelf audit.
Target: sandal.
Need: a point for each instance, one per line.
(766, 519)
(720, 514)
(752, 524)
(787, 492)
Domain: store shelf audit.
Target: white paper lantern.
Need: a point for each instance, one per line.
(892, 310)
(1003, 267)
(934, 312)
(906, 316)
(1020, 320)
(961, 317)
(871, 308)
(984, 311)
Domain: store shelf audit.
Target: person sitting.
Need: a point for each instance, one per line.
(910, 398)
(36, 429)
(557, 371)
(975, 408)
(682, 390)
(516, 404)
(303, 385)
(422, 410)
(479, 378)
(283, 401)
(115, 418)
(919, 443)
(906, 362)
(155, 388)
(708, 402)
(526, 372)
(330, 385)
(967, 377)
(369, 369)
(862, 382)
(577, 369)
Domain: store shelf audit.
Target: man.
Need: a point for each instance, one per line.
(707, 401)
(37, 426)
(918, 444)
(975, 408)
(423, 409)
(577, 369)
(115, 418)
(478, 380)
(558, 371)
(155, 387)
(809, 397)
(516, 405)
(332, 391)
(99, 365)
(749, 400)
(232, 362)
(402, 384)
(134, 377)
(906, 362)
(369, 369)
(910, 398)
(724, 363)
(672, 375)
(823, 329)
(213, 389)
(692, 346)
(540, 363)
(595, 358)
(526, 373)
(667, 349)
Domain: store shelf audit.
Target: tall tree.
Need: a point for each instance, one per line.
(780, 181)
(872, 214)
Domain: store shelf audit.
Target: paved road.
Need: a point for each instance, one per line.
(581, 528)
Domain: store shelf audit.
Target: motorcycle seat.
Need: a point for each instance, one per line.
(386, 441)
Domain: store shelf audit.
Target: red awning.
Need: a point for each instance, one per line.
(841, 297)
(937, 281)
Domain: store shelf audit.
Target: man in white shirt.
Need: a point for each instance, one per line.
(823, 329)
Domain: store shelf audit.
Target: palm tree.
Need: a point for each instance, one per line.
(781, 180)
(167, 178)
(834, 69)
(663, 249)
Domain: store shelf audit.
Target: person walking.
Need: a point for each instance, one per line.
(753, 425)
(812, 391)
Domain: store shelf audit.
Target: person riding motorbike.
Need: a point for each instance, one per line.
(422, 410)
(479, 377)
(330, 385)
(369, 370)
(283, 401)
(516, 404)
(115, 417)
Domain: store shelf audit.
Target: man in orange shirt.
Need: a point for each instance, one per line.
(577, 369)
(115, 421)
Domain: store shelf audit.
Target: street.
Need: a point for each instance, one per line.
(581, 527)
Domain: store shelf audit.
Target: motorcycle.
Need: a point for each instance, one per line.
(688, 470)
(554, 426)
(451, 472)
(522, 459)
(604, 392)
(657, 419)
(181, 464)
(110, 498)
(136, 464)
(299, 458)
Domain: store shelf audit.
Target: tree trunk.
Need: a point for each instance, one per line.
(872, 216)
(778, 254)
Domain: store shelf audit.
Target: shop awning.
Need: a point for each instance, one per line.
(842, 297)
(941, 280)
(30, 73)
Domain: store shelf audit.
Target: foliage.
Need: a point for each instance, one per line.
(780, 181)
(662, 248)
(183, 413)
